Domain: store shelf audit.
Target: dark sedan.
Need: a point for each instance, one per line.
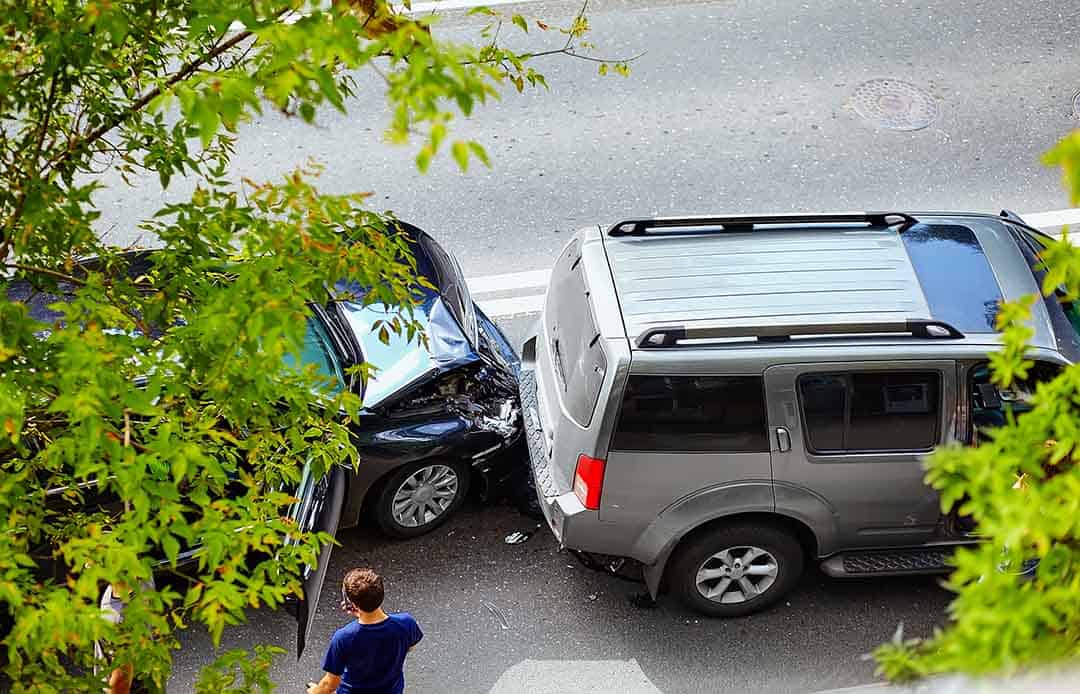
(436, 419)
(439, 416)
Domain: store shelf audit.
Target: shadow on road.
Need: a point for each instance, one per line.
(510, 616)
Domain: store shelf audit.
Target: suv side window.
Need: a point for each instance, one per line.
(714, 414)
(991, 406)
(870, 411)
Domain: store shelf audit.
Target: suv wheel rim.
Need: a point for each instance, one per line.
(424, 495)
(736, 574)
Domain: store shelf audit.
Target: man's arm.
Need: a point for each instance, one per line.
(327, 685)
(333, 667)
(415, 634)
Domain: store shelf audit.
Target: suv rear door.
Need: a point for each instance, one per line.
(851, 437)
(683, 435)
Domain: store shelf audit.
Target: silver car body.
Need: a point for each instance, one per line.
(788, 299)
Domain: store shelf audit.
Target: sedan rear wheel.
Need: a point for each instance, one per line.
(417, 498)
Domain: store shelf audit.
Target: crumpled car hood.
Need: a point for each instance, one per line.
(400, 363)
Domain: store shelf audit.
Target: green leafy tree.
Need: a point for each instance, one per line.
(1022, 489)
(168, 389)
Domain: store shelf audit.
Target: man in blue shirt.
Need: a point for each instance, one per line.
(367, 656)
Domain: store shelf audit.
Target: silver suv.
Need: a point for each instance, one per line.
(723, 398)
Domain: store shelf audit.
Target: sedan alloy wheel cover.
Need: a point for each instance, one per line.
(424, 496)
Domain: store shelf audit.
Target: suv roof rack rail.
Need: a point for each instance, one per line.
(638, 227)
(671, 336)
(1011, 216)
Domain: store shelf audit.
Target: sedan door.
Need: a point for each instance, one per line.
(318, 509)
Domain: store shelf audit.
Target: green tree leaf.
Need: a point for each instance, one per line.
(460, 151)
(1020, 486)
(173, 389)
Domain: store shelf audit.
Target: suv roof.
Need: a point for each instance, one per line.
(932, 275)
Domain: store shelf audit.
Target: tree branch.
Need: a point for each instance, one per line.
(8, 236)
(139, 104)
(568, 52)
(44, 271)
(580, 14)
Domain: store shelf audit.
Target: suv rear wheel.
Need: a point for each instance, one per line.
(735, 570)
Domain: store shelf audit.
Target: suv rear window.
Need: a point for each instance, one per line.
(577, 351)
(870, 411)
(716, 414)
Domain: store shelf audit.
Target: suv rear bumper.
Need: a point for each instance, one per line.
(565, 515)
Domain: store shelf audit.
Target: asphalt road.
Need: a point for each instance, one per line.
(570, 629)
(736, 106)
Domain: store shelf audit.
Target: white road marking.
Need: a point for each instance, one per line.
(574, 676)
(1054, 218)
(443, 5)
(533, 280)
(490, 284)
(514, 306)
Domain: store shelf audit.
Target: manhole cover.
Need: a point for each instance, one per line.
(896, 105)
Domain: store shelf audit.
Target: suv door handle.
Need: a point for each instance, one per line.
(783, 440)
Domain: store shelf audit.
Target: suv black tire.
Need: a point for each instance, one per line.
(383, 508)
(781, 551)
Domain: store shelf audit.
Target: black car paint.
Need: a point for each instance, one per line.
(388, 442)
(430, 419)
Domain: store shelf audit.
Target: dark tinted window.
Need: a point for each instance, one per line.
(870, 411)
(693, 413)
(991, 407)
(955, 276)
(318, 350)
(824, 401)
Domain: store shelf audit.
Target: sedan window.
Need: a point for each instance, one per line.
(318, 350)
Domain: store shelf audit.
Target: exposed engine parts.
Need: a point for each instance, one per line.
(478, 394)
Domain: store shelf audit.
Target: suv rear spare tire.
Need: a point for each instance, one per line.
(735, 570)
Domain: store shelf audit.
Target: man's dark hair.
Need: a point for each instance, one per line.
(364, 589)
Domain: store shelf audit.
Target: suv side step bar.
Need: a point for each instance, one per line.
(638, 227)
(888, 562)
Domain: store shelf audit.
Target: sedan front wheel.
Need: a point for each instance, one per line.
(419, 497)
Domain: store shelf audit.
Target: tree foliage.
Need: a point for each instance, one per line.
(167, 388)
(1022, 489)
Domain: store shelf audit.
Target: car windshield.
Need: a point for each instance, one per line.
(318, 350)
(1039, 242)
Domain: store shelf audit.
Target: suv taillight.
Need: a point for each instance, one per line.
(589, 481)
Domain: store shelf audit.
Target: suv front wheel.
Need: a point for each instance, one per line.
(735, 570)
